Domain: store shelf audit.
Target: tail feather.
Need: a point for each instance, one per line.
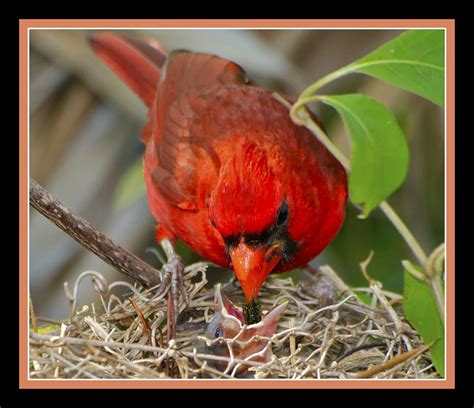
(136, 62)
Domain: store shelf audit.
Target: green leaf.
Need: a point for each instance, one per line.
(413, 61)
(379, 149)
(364, 297)
(421, 311)
(131, 186)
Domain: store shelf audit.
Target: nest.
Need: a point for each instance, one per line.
(318, 337)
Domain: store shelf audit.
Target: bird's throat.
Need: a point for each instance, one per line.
(252, 312)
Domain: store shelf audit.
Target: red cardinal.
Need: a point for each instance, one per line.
(226, 169)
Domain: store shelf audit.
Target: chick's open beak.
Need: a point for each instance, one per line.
(252, 266)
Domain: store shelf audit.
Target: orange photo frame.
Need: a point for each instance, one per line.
(24, 28)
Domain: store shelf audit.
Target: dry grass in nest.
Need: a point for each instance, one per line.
(127, 338)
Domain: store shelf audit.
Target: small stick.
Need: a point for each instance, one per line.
(401, 358)
(92, 239)
(359, 348)
(293, 345)
(143, 321)
(60, 350)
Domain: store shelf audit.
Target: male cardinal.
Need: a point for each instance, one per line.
(226, 169)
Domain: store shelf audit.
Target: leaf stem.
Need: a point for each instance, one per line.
(437, 290)
(404, 232)
(326, 79)
(412, 270)
(434, 265)
(302, 117)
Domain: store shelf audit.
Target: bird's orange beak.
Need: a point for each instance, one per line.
(252, 266)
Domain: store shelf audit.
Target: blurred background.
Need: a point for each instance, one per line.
(85, 149)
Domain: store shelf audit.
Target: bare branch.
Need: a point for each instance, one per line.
(92, 239)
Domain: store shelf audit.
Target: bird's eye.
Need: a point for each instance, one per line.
(218, 332)
(283, 214)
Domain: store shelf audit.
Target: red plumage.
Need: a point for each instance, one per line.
(226, 169)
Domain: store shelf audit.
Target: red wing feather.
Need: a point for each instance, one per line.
(187, 79)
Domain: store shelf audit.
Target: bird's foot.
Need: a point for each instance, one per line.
(173, 284)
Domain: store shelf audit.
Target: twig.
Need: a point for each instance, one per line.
(143, 321)
(92, 239)
(359, 348)
(60, 350)
(401, 358)
(391, 312)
